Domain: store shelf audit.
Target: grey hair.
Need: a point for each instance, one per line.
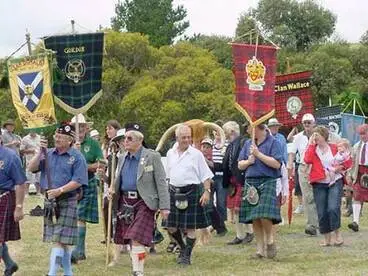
(231, 126)
(180, 129)
(137, 135)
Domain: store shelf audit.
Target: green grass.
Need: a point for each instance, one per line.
(297, 253)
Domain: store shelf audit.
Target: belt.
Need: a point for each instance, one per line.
(183, 189)
(131, 194)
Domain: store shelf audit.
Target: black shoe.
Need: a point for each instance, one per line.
(222, 233)
(354, 226)
(74, 259)
(311, 230)
(235, 241)
(248, 238)
(10, 270)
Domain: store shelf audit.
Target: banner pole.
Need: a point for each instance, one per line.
(354, 106)
(73, 26)
(28, 40)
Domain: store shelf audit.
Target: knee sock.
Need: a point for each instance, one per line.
(67, 264)
(6, 257)
(138, 254)
(178, 237)
(249, 228)
(357, 206)
(239, 227)
(81, 245)
(56, 259)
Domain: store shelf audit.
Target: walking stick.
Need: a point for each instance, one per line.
(113, 147)
(101, 185)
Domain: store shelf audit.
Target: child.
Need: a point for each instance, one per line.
(342, 158)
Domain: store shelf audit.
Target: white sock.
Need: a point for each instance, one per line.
(357, 206)
(249, 228)
(239, 227)
(138, 254)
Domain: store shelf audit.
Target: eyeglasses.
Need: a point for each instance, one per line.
(128, 138)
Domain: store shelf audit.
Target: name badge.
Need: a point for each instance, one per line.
(148, 168)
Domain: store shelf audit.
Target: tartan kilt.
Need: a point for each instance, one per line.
(194, 217)
(234, 202)
(142, 227)
(88, 205)
(9, 229)
(267, 207)
(65, 229)
(360, 193)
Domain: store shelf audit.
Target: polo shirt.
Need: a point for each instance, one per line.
(11, 171)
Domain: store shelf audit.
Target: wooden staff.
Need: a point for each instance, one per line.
(113, 148)
(101, 185)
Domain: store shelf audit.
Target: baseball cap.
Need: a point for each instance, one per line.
(308, 117)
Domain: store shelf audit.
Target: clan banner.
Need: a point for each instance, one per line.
(329, 115)
(293, 97)
(30, 85)
(254, 71)
(349, 124)
(79, 57)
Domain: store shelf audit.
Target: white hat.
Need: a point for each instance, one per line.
(81, 120)
(308, 117)
(94, 132)
(207, 141)
(273, 122)
(119, 134)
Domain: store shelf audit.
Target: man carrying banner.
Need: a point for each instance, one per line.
(63, 171)
(12, 189)
(87, 205)
(358, 175)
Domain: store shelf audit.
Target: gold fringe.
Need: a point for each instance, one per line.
(82, 109)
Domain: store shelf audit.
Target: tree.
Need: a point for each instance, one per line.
(156, 18)
(364, 38)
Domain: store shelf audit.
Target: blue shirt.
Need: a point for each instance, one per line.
(270, 147)
(66, 167)
(281, 138)
(128, 174)
(11, 171)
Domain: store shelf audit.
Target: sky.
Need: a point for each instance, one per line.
(47, 17)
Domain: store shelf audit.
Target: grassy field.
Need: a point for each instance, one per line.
(297, 255)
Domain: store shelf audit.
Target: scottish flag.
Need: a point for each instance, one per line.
(30, 89)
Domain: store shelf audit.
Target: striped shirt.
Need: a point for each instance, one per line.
(218, 156)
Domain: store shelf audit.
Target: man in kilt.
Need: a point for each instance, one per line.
(261, 161)
(88, 204)
(12, 189)
(63, 172)
(140, 190)
(358, 175)
(189, 184)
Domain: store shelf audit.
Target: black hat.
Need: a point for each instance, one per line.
(66, 129)
(133, 126)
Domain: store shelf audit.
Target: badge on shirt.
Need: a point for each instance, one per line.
(86, 149)
(148, 168)
(71, 160)
(2, 164)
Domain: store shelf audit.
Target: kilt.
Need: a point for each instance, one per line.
(360, 193)
(194, 217)
(88, 205)
(142, 227)
(267, 207)
(65, 229)
(234, 202)
(9, 229)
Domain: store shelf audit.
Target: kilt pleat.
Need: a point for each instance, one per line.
(141, 229)
(88, 205)
(194, 217)
(267, 207)
(65, 229)
(9, 229)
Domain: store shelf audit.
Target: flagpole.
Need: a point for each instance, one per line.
(28, 40)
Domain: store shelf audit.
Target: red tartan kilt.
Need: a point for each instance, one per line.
(9, 229)
(234, 202)
(142, 227)
(360, 193)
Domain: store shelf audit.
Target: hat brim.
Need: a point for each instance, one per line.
(8, 124)
(116, 138)
(276, 124)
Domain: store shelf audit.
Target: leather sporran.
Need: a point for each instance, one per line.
(126, 213)
(181, 201)
(251, 195)
(364, 181)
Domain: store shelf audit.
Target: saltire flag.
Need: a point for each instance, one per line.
(79, 57)
(349, 124)
(254, 71)
(30, 84)
(293, 97)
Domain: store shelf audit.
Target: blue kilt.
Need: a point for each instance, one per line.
(64, 228)
(194, 217)
(88, 205)
(267, 207)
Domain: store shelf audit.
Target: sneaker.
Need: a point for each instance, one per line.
(299, 210)
(354, 226)
(311, 230)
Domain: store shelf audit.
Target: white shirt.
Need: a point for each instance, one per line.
(188, 168)
(299, 145)
(30, 143)
(366, 154)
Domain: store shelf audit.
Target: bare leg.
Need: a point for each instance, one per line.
(258, 231)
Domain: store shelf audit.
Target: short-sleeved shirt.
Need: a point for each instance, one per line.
(270, 147)
(299, 145)
(11, 171)
(9, 137)
(188, 168)
(91, 151)
(63, 168)
(30, 143)
(281, 138)
(128, 179)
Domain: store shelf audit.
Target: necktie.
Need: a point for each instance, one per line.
(362, 158)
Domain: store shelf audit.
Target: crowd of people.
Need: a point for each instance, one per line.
(243, 181)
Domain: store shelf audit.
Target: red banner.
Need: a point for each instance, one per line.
(293, 97)
(255, 71)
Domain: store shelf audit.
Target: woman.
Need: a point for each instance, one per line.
(327, 192)
(261, 161)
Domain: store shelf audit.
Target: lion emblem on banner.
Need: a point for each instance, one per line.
(256, 72)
